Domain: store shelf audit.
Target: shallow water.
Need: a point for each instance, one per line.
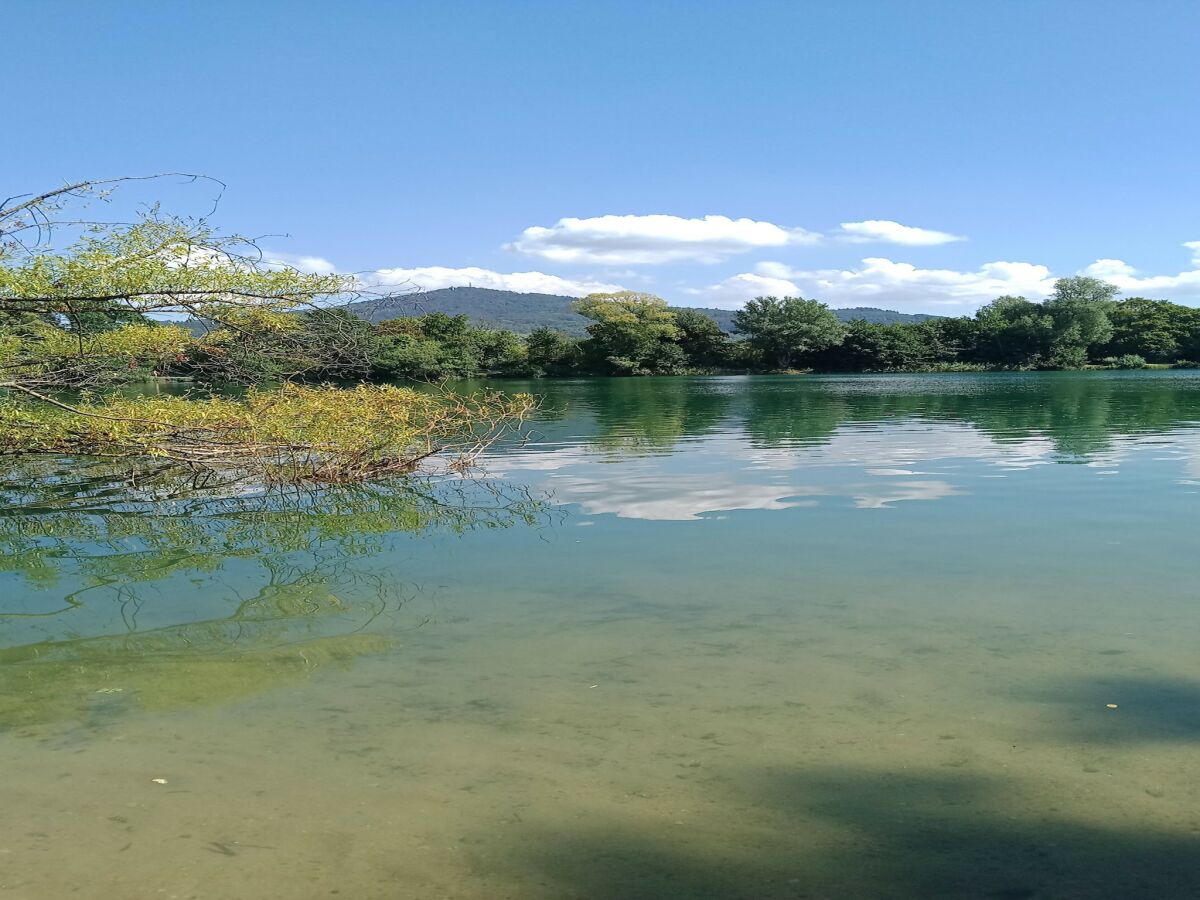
(712, 637)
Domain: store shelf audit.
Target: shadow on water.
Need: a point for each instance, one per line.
(1145, 709)
(845, 833)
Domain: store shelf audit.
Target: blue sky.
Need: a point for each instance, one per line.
(585, 143)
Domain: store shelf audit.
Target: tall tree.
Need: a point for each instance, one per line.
(1155, 329)
(551, 352)
(786, 328)
(1079, 309)
(1014, 332)
(902, 347)
(701, 338)
(631, 332)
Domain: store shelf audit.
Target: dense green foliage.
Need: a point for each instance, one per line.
(788, 328)
(639, 334)
(93, 313)
(438, 345)
(1080, 325)
(631, 334)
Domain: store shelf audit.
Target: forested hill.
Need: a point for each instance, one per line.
(524, 312)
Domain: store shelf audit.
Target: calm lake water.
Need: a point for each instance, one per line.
(870, 636)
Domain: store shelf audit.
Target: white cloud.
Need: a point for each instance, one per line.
(737, 289)
(885, 231)
(1109, 269)
(641, 240)
(876, 281)
(774, 270)
(430, 278)
(1180, 287)
(879, 276)
(312, 265)
(883, 282)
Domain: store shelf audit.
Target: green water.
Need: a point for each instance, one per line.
(713, 637)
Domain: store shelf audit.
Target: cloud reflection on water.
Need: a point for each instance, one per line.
(718, 446)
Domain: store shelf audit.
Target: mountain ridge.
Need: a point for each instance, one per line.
(521, 312)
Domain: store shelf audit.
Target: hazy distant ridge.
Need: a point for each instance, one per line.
(524, 312)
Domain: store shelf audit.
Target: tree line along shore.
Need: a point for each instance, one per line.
(1081, 325)
(320, 391)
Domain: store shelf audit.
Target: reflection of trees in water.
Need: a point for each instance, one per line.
(1081, 415)
(177, 666)
(777, 414)
(91, 550)
(639, 415)
(645, 415)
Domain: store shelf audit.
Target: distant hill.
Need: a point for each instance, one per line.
(524, 312)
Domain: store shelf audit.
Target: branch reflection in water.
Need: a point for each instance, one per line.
(159, 592)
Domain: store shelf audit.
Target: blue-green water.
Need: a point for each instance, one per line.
(873, 636)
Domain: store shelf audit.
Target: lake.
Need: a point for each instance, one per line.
(863, 636)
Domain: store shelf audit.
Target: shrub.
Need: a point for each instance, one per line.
(1126, 361)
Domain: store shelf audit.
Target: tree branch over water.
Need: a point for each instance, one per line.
(98, 315)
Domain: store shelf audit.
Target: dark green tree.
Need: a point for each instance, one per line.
(550, 352)
(1014, 332)
(784, 329)
(500, 352)
(703, 342)
(1079, 310)
(1154, 329)
(958, 337)
(437, 346)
